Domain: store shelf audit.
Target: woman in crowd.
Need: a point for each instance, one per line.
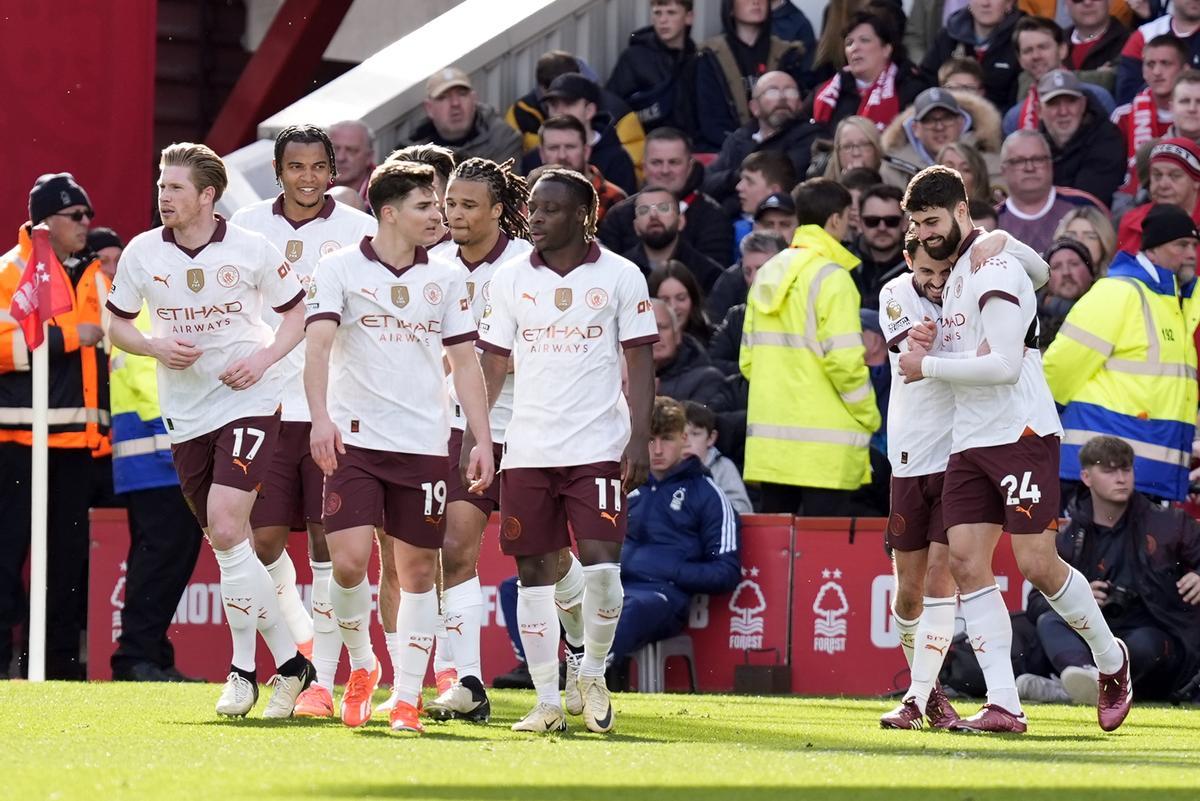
(855, 144)
(674, 284)
(973, 169)
(1090, 226)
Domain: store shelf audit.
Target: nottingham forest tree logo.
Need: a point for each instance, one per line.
(747, 604)
(830, 607)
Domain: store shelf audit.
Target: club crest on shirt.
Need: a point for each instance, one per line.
(486, 290)
(400, 296)
(433, 293)
(596, 298)
(958, 283)
(328, 247)
(228, 276)
(563, 298)
(294, 249)
(195, 279)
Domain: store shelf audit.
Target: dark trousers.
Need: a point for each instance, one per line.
(164, 541)
(1155, 658)
(806, 501)
(69, 491)
(647, 615)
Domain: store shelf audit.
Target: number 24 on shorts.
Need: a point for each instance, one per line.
(1027, 492)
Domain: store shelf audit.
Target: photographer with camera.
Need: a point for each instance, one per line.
(1142, 561)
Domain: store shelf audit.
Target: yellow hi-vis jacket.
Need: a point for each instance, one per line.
(1124, 364)
(812, 408)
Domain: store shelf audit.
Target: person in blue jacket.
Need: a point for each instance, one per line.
(683, 540)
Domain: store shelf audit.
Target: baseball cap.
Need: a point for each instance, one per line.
(573, 86)
(777, 201)
(1058, 82)
(444, 80)
(933, 98)
(1166, 223)
(1180, 150)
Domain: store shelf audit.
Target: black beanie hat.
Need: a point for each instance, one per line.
(54, 192)
(1166, 223)
(1080, 250)
(100, 238)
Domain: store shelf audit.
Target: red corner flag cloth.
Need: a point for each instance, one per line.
(43, 291)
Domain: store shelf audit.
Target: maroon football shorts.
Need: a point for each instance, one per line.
(293, 485)
(916, 512)
(404, 492)
(489, 501)
(1015, 485)
(238, 455)
(538, 503)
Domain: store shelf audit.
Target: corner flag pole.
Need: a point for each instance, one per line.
(39, 485)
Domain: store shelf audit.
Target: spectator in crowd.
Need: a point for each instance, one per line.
(857, 181)
(775, 126)
(1092, 227)
(669, 164)
(763, 174)
(681, 364)
(574, 95)
(457, 120)
(1185, 106)
(811, 411)
(659, 225)
(701, 442)
(107, 246)
(961, 75)
(1183, 21)
(983, 214)
(1106, 364)
(655, 74)
(877, 81)
(78, 418)
(730, 65)
(1072, 272)
(1094, 38)
(354, 154)
(1148, 115)
(730, 289)
(880, 246)
(982, 30)
(564, 144)
(855, 144)
(1143, 563)
(777, 215)
(1088, 152)
(1042, 47)
(1174, 180)
(925, 19)
(527, 114)
(789, 24)
(1034, 204)
(937, 118)
(970, 164)
(674, 284)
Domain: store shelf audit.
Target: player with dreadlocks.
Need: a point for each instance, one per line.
(485, 210)
(305, 223)
(571, 454)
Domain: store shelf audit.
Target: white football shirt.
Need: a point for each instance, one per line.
(994, 414)
(386, 379)
(479, 289)
(302, 243)
(212, 297)
(565, 333)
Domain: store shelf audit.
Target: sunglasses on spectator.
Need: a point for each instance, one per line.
(890, 220)
(75, 216)
(662, 208)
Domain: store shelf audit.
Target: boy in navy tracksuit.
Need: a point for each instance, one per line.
(683, 539)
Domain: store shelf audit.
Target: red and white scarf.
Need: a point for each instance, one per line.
(1141, 125)
(1027, 118)
(878, 102)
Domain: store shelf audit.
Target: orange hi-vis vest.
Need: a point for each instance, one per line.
(78, 411)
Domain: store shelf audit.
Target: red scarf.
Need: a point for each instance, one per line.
(1140, 126)
(1027, 118)
(878, 102)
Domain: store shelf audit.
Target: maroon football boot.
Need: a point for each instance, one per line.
(1116, 694)
(939, 711)
(992, 718)
(906, 716)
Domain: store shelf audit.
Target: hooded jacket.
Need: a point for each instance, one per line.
(527, 115)
(683, 535)
(904, 156)
(999, 58)
(657, 82)
(1091, 160)
(489, 138)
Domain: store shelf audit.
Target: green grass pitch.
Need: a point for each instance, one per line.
(97, 742)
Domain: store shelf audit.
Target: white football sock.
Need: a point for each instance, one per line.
(238, 593)
(568, 597)
(464, 618)
(539, 635)
(1075, 604)
(295, 616)
(327, 643)
(394, 649)
(414, 626)
(935, 631)
(908, 635)
(352, 606)
(602, 602)
(443, 652)
(989, 631)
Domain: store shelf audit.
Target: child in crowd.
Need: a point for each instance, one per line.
(701, 435)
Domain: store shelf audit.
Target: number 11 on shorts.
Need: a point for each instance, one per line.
(602, 487)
